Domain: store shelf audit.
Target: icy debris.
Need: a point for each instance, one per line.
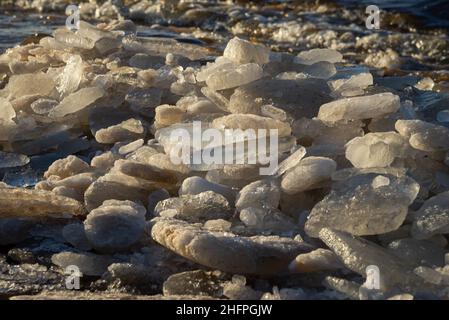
(115, 225)
(220, 64)
(241, 51)
(167, 115)
(366, 107)
(388, 59)
(361, 208)
(131, 93)
(309, 174)
(219, 249)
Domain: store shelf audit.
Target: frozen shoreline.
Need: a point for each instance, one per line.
(363, 179)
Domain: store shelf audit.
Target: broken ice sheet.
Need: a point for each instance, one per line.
(71, 76)
(76, 101)
(316, 55)
(234, 77)
(366, 204)
(358, 108)
(22, 177)
(9, 160)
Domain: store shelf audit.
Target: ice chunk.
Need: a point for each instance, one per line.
(251, 121)
(319, 132)
(197, 282)
(362, 208)
(423, 135)
(71, 76)
(242, 51)
(30, 84)
(221, 64)
(120, 187)
(268, 221)
(298, 98)
(259, 194)
(219, 250)
(9, 160)
(115, 225)
(70, 39)
(377, 149)
(308, 174)
(197, 185)
(358, 254)
(346, 80)
(432, 218)
(75, 235)
(89, 264)
(18, 202)
(291, 161)
(76, 101)
(236, 77)
(315, 261)
(43, 106)
(67, 167)
(418, 252)
(195, 208)
(131, 129)
(316, 55)
(7, 112)
(366, 107)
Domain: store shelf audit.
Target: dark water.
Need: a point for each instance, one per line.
(432, 13)
(17, 26)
